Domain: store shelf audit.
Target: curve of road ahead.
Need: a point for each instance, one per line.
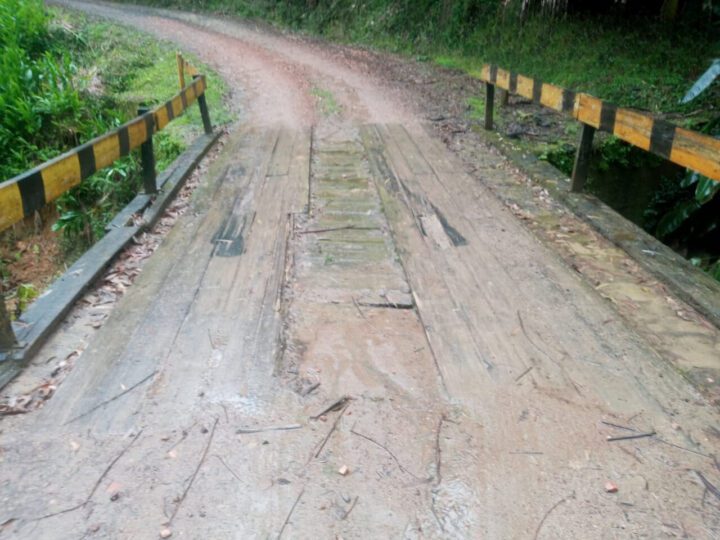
(350, 337)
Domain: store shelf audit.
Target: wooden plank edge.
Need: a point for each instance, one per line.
(666, 265)
(172, 182)
(48, 311)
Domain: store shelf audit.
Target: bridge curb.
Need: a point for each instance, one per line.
(689, 283)
(48, 311)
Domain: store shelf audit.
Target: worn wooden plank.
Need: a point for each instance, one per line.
(697, 152)
(441, 315)
(43, 315)
(299, 172)
(170, 333)
(479, 307)
(229, 341)
(282, 154)
(633, 127)
(144, 324)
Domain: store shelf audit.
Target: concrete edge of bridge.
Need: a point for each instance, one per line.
(48, 311)
(688, 283)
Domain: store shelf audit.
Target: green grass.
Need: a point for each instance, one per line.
(601, 60)
(635, 62)
(118, 70)
(328, 104)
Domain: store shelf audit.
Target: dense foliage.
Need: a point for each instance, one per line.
(65, 80)
(46, 109)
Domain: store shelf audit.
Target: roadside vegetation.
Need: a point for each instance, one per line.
(65, 79)
(642, 55)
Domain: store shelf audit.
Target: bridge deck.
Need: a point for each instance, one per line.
(484, 375)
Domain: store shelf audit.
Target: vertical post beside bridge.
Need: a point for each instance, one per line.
(584, 149)
(204, 112)
(147, 154)
(7, 336)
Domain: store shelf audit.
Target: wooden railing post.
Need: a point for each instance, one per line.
(181, 69)
(489, 104)
(202, 103)
(582, 159)
(147, 154)
(504, 98)
(7, 336)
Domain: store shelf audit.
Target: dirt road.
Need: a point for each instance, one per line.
(349, 336)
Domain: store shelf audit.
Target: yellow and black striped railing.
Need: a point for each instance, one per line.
(22, 196)
(185, 68)
(689, 149)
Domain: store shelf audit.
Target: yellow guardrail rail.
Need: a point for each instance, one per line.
(695, 151)
(22, 196)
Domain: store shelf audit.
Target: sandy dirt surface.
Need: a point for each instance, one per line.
(348, 335)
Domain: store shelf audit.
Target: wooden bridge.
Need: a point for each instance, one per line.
(349, 333)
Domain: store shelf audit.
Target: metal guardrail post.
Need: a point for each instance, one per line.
(202, 103)
(582, 159)
(147, 154)
(7, 336)
(489, 104)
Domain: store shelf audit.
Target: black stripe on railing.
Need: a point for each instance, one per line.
(170, 112)
(32, 192)
(86, 156)
(537, 91)
(512, 86)
(608, 112)
(493, 74)
(568, 100)
(124, 141)
(662, 137)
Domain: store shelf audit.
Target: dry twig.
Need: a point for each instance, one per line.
(195, 472)
(332, 430)
(269, 428)
(627, 437)
(290, 513)
(438, 451)
(618, 426)
(547, 514)
(709, 486)
(221, 460)
(335, 406)
(118, 396)
(97, 483)
(528, 370)
(350, 509)
(397, 461)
